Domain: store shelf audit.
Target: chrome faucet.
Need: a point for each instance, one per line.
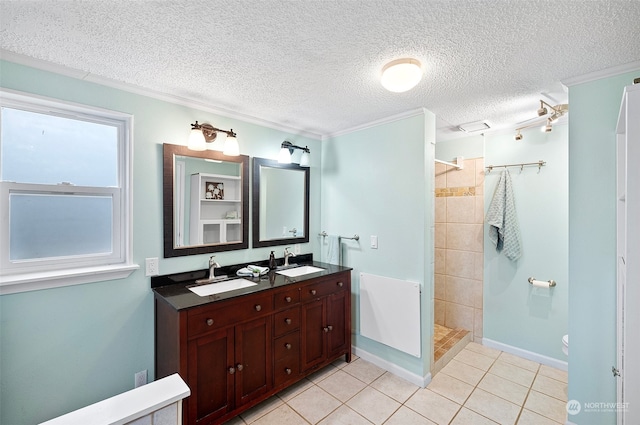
(213, 264)
(287, 254)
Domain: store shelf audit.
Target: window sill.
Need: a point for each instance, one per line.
(12, 284)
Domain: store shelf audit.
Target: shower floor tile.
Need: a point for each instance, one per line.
(444, 339)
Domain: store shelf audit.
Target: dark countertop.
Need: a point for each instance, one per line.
(174, 288)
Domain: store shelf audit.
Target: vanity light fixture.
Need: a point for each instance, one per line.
(545, 109)
(287, 148)
(201, 134)
(401, 75)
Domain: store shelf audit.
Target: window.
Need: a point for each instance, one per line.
(65, 194)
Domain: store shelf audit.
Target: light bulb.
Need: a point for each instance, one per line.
(285, 156)
(196, 140)
(304, 159)
(231, 147)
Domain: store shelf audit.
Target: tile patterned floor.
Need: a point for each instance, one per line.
(478, 386)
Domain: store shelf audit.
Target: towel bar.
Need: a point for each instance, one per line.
(354, 237)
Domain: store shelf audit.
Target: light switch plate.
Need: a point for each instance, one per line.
(374, 242)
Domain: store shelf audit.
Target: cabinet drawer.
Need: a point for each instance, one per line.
(286, 321)
(209, 318)
(326, 287)
(286, 298)
(287, 347)
(285, 370)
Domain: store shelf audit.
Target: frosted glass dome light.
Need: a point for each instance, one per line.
(401, 75)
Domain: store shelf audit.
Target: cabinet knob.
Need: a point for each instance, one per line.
(209, 322)
(288, 371)
(313, 292)
(330, 327)
(239, 367)
(287, 346)
(232, 370)
(287, 299)
(287, 321)
(340, 284)
(326, 329)
(258, 307)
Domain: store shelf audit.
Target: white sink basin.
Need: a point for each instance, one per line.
(299, 271)
(220, 287)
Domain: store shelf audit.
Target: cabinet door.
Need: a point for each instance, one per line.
(211, 378)
(313, 334)
(254, 373)
(338, 337)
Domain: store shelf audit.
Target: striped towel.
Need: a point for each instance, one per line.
(504, 231)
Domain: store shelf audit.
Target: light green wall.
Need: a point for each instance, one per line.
(515, 314)
(592, 246)
(62, 349)
(542, 208)
(379, 181)
(467, 147)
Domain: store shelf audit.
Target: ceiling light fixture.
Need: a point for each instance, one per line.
(401, 75)
(286, 150)
(518, 135)
(201, 134)
(545, 109)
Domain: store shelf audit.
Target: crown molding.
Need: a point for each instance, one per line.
(178, 100)
(381, 121)
(603, 73)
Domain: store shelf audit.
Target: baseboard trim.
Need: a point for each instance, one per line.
(421, 381)
(530, 355)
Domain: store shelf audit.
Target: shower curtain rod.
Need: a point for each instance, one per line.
(539, 164)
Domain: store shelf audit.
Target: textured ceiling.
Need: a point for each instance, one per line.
(315, 65)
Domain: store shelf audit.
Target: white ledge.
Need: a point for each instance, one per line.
(24, 282)
(127, 407)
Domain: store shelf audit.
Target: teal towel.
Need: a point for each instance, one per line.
(333, 250)
(504, 231)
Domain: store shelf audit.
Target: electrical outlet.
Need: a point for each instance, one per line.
(296, 249)
(140, 378)
(151, 266)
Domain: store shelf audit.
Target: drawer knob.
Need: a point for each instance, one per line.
(288, 371)
(287, 346)
(232, 370)
(313, 292)
(209, 322)
(258, 307)
(326, 329)
(340, 284)
(239, 367)
(330, 327)
(287, 299)
(287, 321)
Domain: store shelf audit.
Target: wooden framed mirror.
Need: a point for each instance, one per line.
(280, 202)
(206, 201)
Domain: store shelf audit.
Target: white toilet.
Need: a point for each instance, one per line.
(565, 344)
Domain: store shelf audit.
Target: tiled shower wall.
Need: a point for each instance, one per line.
(459, 255)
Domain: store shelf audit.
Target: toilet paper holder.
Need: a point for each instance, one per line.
(549, 282)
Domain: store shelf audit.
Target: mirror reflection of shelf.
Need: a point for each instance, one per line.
(215, 209)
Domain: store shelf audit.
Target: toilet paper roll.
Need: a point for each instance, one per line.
(540, 284)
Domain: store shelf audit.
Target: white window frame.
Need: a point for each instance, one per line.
(29, 275)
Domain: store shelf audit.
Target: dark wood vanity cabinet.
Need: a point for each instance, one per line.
(235, 353)
(326, 307)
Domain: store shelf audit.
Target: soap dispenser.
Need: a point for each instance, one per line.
(272, 261)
